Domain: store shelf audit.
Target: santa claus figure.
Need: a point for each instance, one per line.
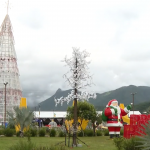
(113, 117)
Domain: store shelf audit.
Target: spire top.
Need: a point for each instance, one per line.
(7, 6)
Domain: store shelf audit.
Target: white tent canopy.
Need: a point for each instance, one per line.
(135, 113)
(62, 114)
(53, 114)
(50, 114)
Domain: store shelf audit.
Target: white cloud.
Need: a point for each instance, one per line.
(116, 33)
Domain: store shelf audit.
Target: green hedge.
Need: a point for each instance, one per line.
(9, 132)
(42, 132)
(1, 131)
(88, 132)
(33, 132)
(106, 132)
(99, 133)
(80, 134)
(61, 134)
(52, 133)
(18, 134)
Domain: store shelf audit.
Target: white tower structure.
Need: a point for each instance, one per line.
(10, 89)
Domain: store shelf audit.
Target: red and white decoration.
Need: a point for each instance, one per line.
(114, 122)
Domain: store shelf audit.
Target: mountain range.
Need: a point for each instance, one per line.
(122, 94)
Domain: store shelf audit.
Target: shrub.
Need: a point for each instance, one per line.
(121, 131)
(119, 143)
(61, 134)
(52, 133)
(14, 131)
(25, 133)
(80, 134)
(33, 132)
(145, 136)
(130, 144)
(51, 148)
(1, 131)
(42, 132)
(11, 126)
(106, 132)
(17, 133)
(99, 133)
(88, 132)
(23, 145)
(47, 130)
(8, 132)
(127, 144)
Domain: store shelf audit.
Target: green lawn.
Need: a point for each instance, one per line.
(94, 143)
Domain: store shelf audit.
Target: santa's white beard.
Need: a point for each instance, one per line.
(117, 107)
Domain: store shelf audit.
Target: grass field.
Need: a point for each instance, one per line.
(94, 143)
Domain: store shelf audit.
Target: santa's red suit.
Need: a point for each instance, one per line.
(114, 115)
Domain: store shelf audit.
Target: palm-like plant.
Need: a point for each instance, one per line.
(22, 117)
(145, 138)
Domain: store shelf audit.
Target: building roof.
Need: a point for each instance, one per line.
(50, 114)
(53, 114)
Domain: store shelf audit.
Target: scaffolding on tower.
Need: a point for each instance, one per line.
(9, 72)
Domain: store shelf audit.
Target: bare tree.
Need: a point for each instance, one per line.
(79, 78)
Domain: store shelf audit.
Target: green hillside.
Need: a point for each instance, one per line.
(123, 95)
(142, 107)
(49, 104)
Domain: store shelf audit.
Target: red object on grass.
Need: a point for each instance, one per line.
(136, 122)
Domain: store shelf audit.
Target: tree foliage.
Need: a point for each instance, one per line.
(85, 111)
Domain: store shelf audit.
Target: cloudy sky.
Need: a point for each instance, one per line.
(116, 34)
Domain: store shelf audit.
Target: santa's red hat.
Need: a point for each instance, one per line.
(111, 101)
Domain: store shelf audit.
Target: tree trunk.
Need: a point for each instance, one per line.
(75, 109)
(94, 128)
(21, 133)
(82, 131)
(75, 123)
